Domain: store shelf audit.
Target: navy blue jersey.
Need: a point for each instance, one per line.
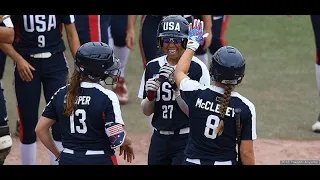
(167, 113)
(93, 28)
(39, 33)
(85, 128)
(203, 103)
(7, 23)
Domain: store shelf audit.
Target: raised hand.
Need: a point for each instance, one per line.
(196, 36)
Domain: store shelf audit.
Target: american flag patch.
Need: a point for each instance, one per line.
(114, 129)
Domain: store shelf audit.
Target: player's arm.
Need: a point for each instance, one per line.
(73, 38)
(147, 106)
(248, 135)
(43, 132)
(6, 35)
(47, 119)
(130, 38)
(150, 88)
(151, 85)
(24, 68)
(6, 29)
(71, 31)
(115, 130)
(194, 40)
(247, 152)
(183, 66)
(207, 20)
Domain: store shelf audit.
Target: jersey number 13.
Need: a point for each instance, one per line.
(81, 113)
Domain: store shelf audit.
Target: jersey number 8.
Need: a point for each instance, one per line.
(210, 130)
(82, 114)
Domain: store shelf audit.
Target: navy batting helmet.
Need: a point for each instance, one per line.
(228, 66)
(97, 61)
(174, 26)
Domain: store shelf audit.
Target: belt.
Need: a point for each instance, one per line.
(88, 152)
(180, 131)
(198, 161)
(41, 55)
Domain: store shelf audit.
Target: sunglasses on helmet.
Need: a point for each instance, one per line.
(169, 39)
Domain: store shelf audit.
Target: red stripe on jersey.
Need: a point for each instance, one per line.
(93, 28)
(17, 32)
(223, 29)
(114, 160)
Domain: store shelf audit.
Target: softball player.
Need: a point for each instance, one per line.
(90, 115)
(161, 97)
(148, 30)
(219, 25)
(212, 108)
(315, 20)
(148, 44)
(118, 42)
(6, 36)
(39, 59)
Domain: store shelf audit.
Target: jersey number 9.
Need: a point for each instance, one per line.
(41, 41)
(81, 113)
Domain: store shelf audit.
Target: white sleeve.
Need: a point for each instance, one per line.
(187, 84)
(205, 78)
(142, 84)
(8, 23)
(116, 107)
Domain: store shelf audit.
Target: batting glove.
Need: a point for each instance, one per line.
(152, 84)
(166, 71)
(196, 36)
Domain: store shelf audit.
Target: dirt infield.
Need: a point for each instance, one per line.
(268, 152)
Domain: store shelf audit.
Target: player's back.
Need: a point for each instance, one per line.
(204, 143)
(85, 128)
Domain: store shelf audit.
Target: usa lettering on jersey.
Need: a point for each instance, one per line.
(38, 23)
(171, 26)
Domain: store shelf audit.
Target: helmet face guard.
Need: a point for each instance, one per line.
(96, 61)
(113, 72)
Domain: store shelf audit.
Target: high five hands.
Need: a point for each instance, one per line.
(196, 36)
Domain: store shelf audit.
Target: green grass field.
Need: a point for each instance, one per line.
(280, 77)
